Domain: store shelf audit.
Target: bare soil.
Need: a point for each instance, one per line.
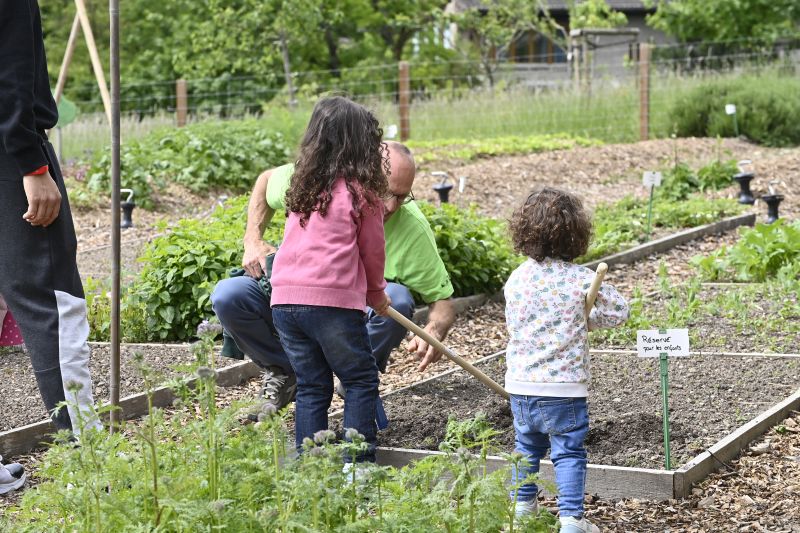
(20, 403)
(709, 398)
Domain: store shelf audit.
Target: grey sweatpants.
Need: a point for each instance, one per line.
(40, 283)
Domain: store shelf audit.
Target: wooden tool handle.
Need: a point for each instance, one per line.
(419, 332)
(594, 288)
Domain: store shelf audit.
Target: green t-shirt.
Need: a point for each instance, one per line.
(412, 258)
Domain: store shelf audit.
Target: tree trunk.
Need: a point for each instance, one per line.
(287, 69)
(333, 53)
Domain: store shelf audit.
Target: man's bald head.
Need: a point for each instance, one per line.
(401, 179)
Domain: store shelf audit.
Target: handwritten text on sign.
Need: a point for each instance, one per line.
(654, 342)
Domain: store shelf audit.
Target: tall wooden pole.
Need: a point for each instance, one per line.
(115, 213)
(404, 100)
(97, 66)
(71, 43)
(644, 91)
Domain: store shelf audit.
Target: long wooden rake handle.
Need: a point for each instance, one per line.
(594, 288)
(421, 333)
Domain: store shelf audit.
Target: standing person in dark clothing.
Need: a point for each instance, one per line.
(38, 270)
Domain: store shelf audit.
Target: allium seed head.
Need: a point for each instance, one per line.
(207, 373)
(324, 436)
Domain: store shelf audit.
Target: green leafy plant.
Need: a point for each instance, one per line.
(475, 249)
(201, 157)
(469, 149)
(624, 223)
(182, 267)
(200, 469)
(717, 174)
(762, 252)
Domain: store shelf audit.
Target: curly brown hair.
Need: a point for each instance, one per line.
(552, 223)
(342, 140)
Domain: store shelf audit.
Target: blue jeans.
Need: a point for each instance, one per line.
(244, 312)
(319, 342)
(561, 423)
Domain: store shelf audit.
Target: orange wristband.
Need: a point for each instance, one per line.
(39, 171)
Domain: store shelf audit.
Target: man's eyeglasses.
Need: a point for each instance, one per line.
(402, 199)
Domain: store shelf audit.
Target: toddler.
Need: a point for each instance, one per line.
(330, 267)
(547, 358)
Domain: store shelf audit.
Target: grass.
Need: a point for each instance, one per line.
(609, 114)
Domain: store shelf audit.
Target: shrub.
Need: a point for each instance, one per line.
(768, 110)
(762, 252)
(200, 157)
(475, 249)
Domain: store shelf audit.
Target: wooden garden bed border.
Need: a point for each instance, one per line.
(671, 241)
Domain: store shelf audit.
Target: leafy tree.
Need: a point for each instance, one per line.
(595, 14)
(726, 20)
(489, 31)
(397, 21)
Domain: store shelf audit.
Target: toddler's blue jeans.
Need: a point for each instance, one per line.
(320, 341)
(542, 422)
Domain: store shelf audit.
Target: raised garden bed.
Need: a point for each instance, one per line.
(710, 398)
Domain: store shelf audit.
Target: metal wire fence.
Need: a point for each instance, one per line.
(455, 99)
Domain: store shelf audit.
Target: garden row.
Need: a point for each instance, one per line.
(171, 294)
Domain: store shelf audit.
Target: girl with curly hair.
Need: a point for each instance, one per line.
(330, 267)
(547, 357)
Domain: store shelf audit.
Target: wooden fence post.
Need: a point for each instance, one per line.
(404, 98)
(97, 66)
(181, 103)
(644, 91)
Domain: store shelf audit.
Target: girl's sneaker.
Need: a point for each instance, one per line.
(530, 507)
(570, 524)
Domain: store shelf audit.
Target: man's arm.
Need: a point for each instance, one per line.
(440, 319)
(259, 214)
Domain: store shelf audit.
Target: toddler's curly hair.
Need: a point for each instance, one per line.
(552, 223)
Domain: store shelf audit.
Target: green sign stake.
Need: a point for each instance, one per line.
(650, 212)
(665, 401)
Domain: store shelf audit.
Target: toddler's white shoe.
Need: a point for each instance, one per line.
(530, 507)
(570, 524)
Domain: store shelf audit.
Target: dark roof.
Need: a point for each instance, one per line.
(557, 5)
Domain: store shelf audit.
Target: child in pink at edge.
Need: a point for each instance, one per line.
(547, 359)
(330, 267)
(10, 334)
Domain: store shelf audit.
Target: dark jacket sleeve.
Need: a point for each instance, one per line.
(18, 63)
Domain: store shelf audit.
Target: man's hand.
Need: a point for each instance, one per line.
(255, 257)
(44, 199)
(424, 351)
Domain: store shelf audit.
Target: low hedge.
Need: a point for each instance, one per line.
(201, 157)
(768, 109)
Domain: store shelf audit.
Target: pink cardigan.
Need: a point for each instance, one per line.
(335, 261)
